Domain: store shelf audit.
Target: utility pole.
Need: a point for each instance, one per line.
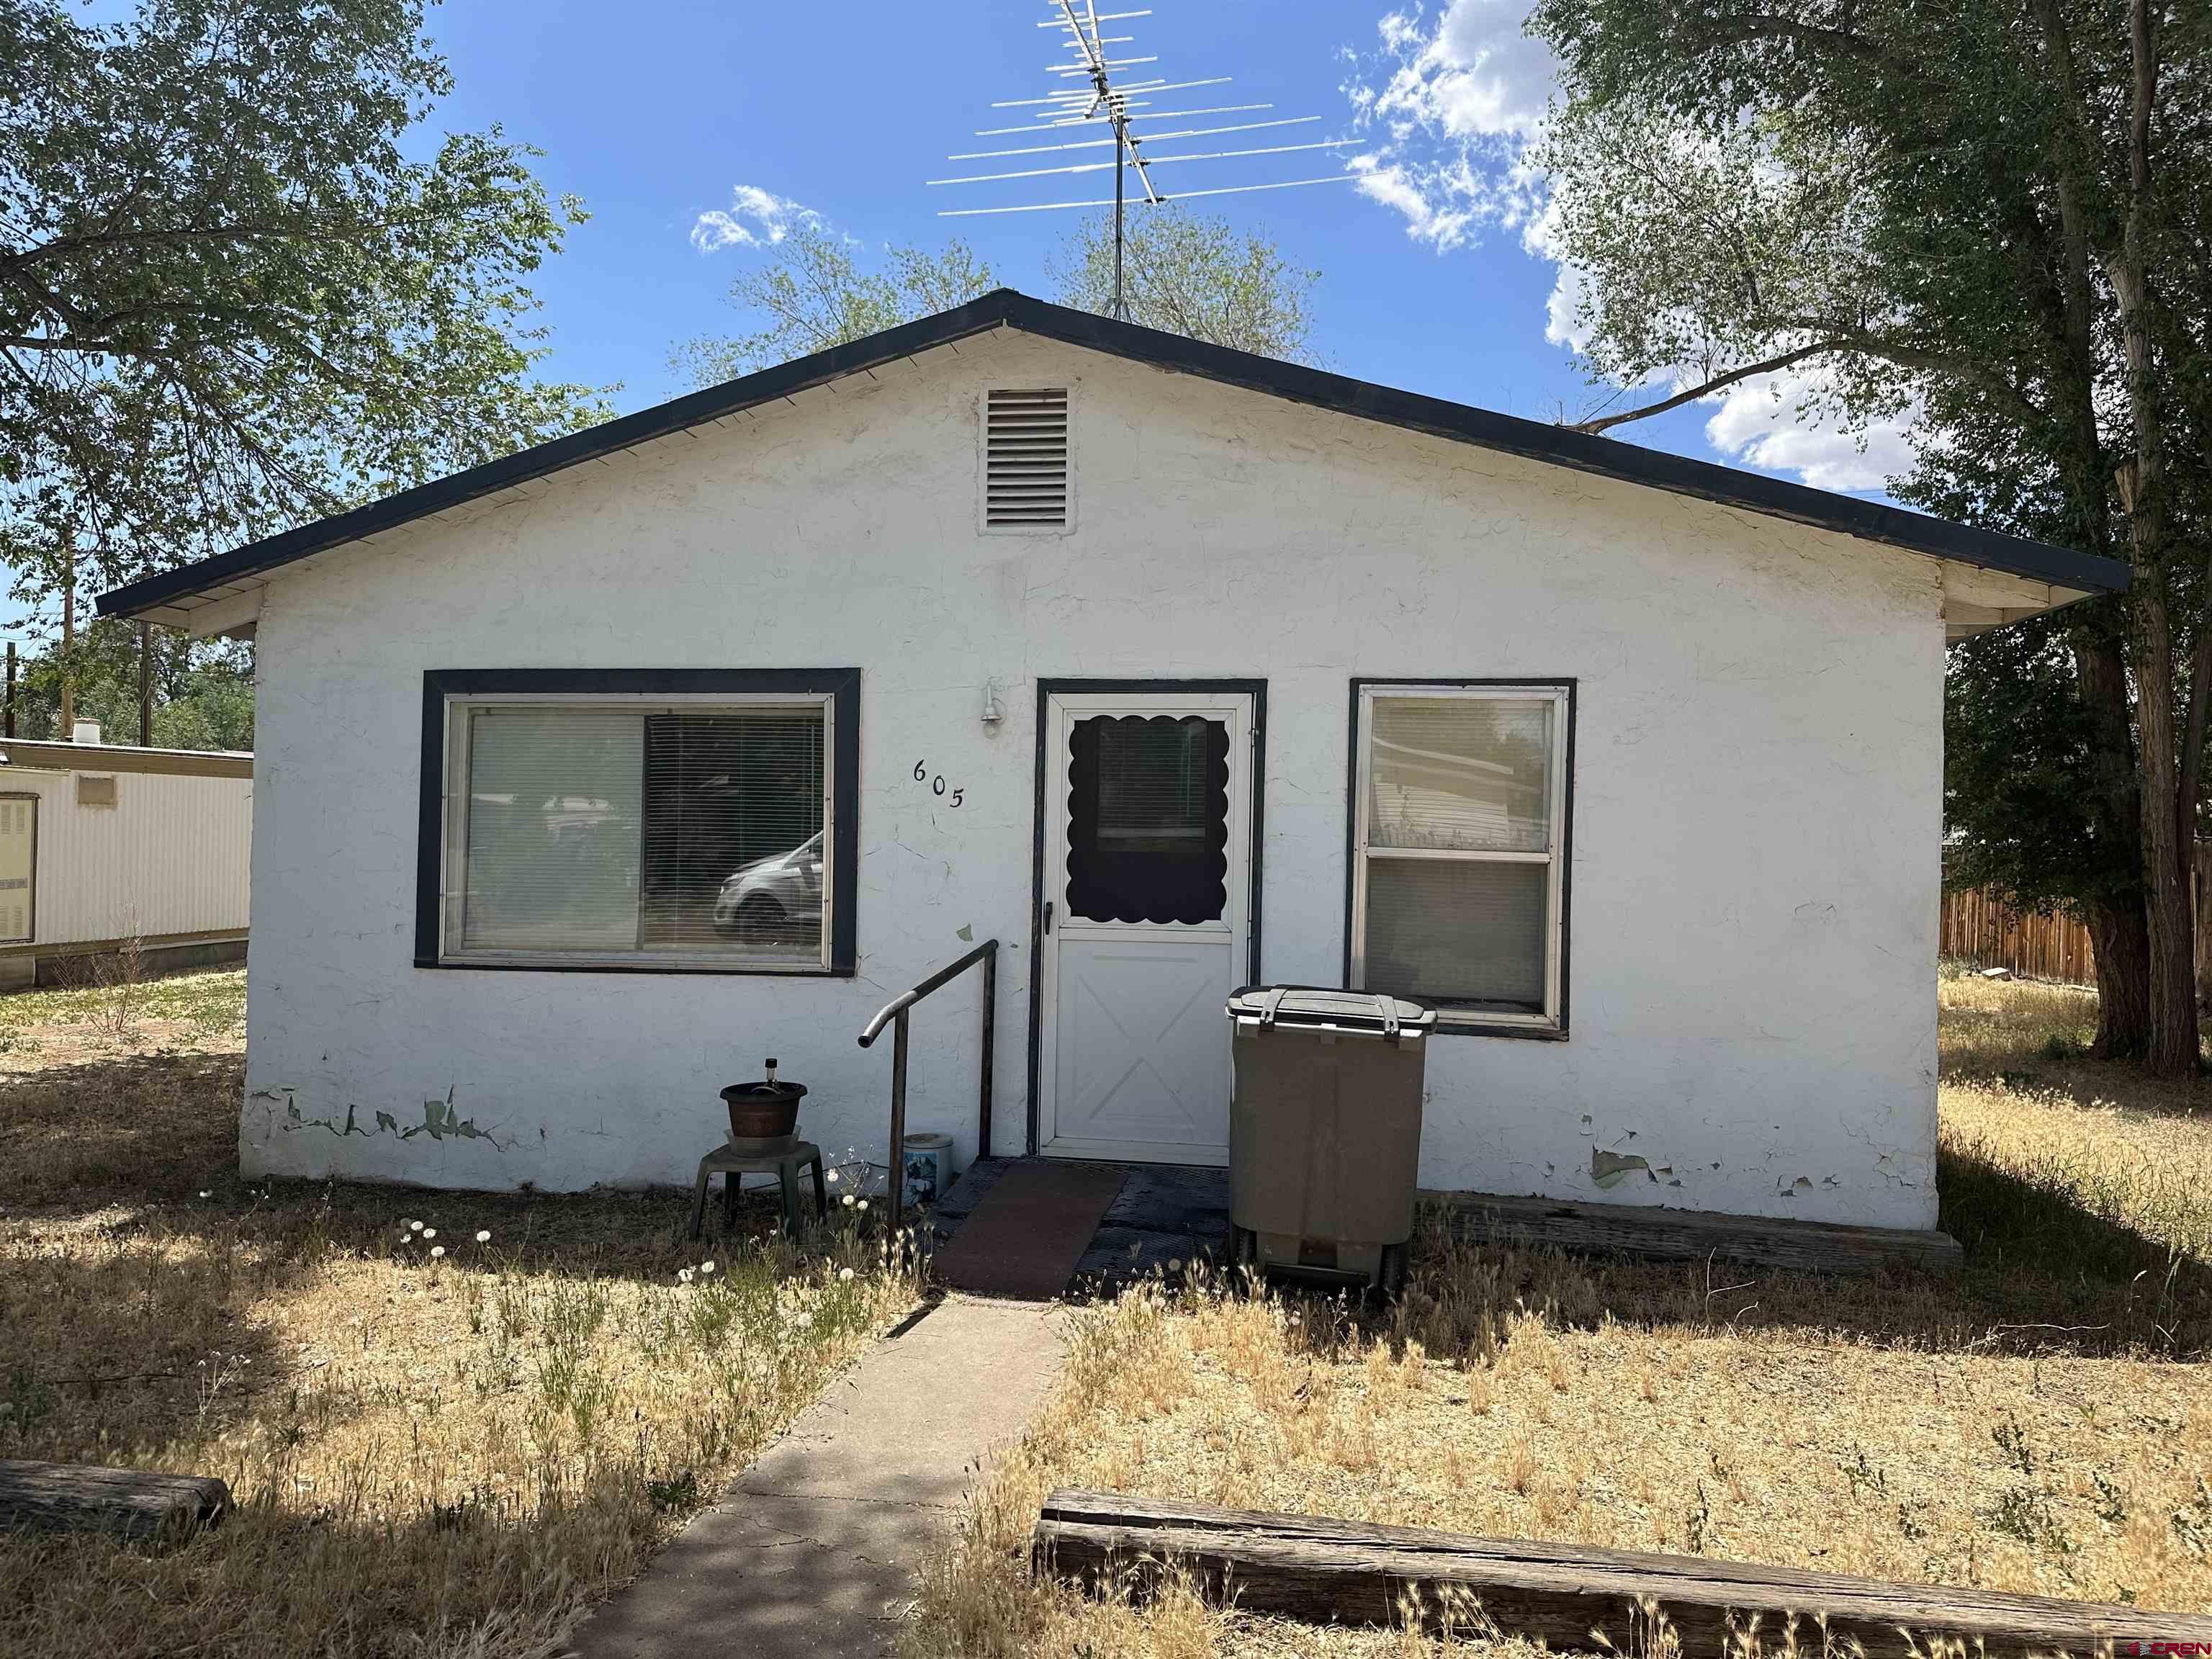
(68, 732)
(145, 685)
(11, 689)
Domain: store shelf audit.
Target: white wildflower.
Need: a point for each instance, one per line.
(437, 1250)
(803, 1320)
(206, 1194)
(429, 1232)
(413, 1226)
(863, 1204)
(1175, 1264)
(831, 1177)
(683, 1275)
(706, 1267)
(483, 1235)
(844, 1275)
(848, 1201)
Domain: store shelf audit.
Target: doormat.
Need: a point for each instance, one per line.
(1025, 1235)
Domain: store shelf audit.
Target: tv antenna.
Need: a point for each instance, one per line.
(1104, 94)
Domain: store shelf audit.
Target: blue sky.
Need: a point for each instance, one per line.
(661, 116)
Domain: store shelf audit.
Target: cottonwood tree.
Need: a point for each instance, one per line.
(1187, 274)
(1195, 275)
(1992, 215)
(229, 300)
(813, 293)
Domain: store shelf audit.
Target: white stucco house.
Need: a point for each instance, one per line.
(589, 778)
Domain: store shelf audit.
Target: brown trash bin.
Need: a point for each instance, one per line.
(1325, 1130)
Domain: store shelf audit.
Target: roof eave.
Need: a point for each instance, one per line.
(1558, 446)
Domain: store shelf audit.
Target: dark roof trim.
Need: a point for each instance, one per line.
(1537, 441)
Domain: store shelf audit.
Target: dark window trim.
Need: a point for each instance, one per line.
(843, 684)
(1257, 690)
(1470, 1024)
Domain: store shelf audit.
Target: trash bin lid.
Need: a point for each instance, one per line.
(1313, 1006)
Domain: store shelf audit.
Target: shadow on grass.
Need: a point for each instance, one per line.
(2095, 1084)
(119, 1129)
(332, 1581)
(2041, 1275)
(2033, 1253)
(136, 1265)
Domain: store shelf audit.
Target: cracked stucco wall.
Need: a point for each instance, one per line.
(1757, 800)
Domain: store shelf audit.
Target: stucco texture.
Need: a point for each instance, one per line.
(1756, 809)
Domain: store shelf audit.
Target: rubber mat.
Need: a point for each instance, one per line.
(1025, 1235)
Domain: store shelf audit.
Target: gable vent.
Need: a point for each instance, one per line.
(1026, 459)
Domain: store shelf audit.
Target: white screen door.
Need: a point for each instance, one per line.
(1147, 876)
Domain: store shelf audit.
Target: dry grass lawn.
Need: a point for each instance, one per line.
(452, 1421)
(2042, 1425)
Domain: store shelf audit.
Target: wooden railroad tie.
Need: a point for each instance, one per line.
(1345, 1572)
(80, 1497)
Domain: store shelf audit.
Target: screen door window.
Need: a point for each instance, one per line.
(1148, 819)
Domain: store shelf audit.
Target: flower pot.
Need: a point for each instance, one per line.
(762, 1111)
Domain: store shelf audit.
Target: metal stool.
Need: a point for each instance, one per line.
(732, 1165)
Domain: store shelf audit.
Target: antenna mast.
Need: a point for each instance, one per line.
(1102, 98)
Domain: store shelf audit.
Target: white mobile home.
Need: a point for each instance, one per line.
(590, 777)
(105, 846)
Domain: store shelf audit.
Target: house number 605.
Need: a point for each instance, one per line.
(936, 781)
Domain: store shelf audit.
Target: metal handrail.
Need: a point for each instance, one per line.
(894, 1013)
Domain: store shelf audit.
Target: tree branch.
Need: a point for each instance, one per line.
(1718, 382)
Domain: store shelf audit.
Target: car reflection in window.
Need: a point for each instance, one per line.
(776, 900)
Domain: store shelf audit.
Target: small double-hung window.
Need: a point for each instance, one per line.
(586, 823)
(1460, 850)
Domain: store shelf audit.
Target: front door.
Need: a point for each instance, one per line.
(1146, 917)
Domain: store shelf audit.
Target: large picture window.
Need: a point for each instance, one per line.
(1459, 853)
(673, 820)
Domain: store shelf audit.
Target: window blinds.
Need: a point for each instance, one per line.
(599, 830)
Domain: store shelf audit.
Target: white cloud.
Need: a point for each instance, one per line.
(754, 218)
(1451, 104)
(1759, 421)
(1476, 74)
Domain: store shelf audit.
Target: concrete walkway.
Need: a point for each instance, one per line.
(813, 1550)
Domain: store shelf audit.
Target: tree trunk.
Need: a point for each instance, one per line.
(2121, 939)
(2168, 821)
(2167, 902)
(2117, 927)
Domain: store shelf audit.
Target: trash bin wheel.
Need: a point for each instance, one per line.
(1391, 1278)
(1244, 1248)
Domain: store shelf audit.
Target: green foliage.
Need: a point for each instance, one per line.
(2018, 749)
(1194, 275)
(1712, 251)
(814, 293)
(1187, 274)
(1996, 216)
(202, 691)
(229, 300)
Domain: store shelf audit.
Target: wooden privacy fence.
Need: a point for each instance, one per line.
(1976, 928)
(1979, 930)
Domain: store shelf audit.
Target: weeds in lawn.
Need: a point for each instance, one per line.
(2041, 1425)
(450, 1423)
